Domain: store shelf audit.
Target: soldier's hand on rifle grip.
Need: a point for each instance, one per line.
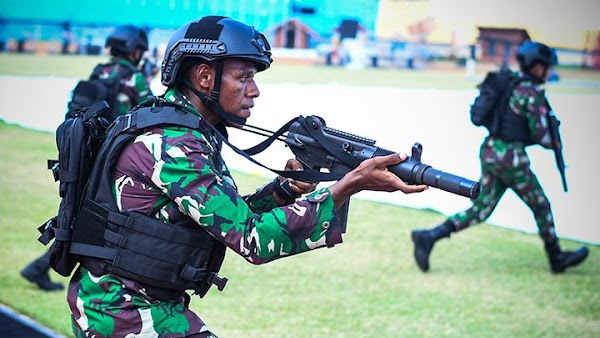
(288, 189)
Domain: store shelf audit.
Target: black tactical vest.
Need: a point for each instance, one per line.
(513, 127)
(166, 259)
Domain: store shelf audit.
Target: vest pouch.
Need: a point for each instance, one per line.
(167, 258)
(515, 128)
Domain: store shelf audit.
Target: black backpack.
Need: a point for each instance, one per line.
(88, 92)
(78, 139)
(92, 231)
(489, 105)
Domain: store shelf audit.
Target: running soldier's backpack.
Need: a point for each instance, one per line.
(97, 88)
(488, 106)
(78, 139)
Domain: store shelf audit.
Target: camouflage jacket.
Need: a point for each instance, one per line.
(133, 90)
(528, 99)
(177, 172)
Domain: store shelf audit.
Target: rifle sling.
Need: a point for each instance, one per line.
(301, 175)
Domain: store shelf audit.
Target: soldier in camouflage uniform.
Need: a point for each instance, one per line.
(127, 45)
(505, 164)
(174, 173)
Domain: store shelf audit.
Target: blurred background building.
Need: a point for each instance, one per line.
(396, 33)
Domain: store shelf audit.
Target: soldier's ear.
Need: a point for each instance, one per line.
(203, 76)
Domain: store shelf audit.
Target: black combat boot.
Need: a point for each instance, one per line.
(561, 260)
(424, 240)
(37, 272)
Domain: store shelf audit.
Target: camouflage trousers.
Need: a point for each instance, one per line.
(506, 166)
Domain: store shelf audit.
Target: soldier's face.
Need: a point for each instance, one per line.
(548, 73)
(540, 71)
(238, 87)
(136, 56)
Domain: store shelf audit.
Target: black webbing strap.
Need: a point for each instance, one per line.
(301, 175)
(214, 94)
(95, 110)
(213, 100)
(47, 231)
(71, 173)
(192, 274)
(147, 250)
(153, 270)
(266, 143)
(93, 251)
(155, 229)
(148, 116)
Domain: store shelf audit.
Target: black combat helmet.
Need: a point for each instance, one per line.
(126, 39)
(531, 52)
(214, 38)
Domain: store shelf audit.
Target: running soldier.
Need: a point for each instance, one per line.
(505, 163)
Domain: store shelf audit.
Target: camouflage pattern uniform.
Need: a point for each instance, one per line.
(506, 165)
(172, 173)
(134, 89)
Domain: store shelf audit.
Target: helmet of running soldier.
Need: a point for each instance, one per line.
(214, 38)
(127, 38)
(531, 52)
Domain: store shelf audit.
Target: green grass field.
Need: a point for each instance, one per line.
(484, 282)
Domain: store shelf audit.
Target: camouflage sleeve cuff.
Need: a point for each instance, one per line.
(327, 216)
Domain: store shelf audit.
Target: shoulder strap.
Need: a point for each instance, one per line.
(128, 70)
(114, 85)
(145, 117)
(503, 105)
(97, 70)
(513, 81)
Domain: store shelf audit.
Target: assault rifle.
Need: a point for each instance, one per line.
(328, 154)
(553, 124)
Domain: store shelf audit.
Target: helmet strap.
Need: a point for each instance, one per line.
(212, 101)
(218, 75)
